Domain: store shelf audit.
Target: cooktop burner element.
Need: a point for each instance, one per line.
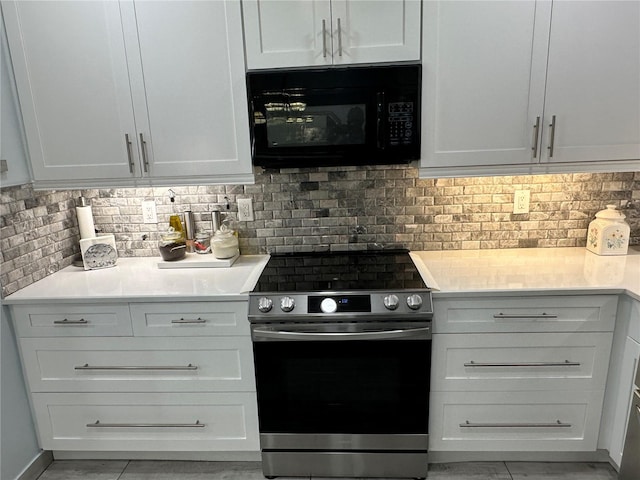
(348, 271)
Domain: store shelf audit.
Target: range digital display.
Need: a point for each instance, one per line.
(345, 303)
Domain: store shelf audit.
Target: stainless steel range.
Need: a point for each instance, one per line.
(342, 346)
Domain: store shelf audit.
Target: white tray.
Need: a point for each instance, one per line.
(199, 260)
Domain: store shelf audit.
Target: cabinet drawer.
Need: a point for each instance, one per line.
(77, 320)
(514, 421)
(192, 319)
(593, 313)
(508, 361)
(138, 364)
(147, 422)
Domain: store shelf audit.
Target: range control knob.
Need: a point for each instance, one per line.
(391, 302)
(287, 304)
(414, 302)
(328, 305)
(265, 304)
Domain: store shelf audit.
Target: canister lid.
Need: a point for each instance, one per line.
(611, 213)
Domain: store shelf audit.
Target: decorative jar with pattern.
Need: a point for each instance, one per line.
(608, 234)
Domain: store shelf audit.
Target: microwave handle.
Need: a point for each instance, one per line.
(380, 121)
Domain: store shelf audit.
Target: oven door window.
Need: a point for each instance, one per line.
(356, 387)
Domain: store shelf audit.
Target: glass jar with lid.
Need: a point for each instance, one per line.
(202, 242)
(224, 243)
(172, 245)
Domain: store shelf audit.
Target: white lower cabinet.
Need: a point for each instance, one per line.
(140, 376)
(516, 362)
(519, 374)
(147, 421)
(515, 421)
(139, 364)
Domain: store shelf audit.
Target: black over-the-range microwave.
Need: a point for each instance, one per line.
(358, 115)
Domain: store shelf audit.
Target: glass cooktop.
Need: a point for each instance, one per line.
(340, 271)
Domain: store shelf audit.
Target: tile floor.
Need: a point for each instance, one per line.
(175, 470)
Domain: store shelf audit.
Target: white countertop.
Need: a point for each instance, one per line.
(140, 279)
(529, 269)
(446, 272)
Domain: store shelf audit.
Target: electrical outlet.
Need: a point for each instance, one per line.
(149, 212)
(521, 201)
(245, 209)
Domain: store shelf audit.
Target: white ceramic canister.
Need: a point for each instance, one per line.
(608, 234)
(224, 243)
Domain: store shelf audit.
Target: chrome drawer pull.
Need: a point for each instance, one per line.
(146, 425)
(566, 363)
(507, 315)
(66, 321)
(86, 366)
(558, 423)
(186, 320)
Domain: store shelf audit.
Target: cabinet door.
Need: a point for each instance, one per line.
(593, 81)
(189, 92)
(285, 33)
(630, 361)
(71, 73)
(483, 81)
(375, 30)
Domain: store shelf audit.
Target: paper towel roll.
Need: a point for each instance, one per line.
(85, 220)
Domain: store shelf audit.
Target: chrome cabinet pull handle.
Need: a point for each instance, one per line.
(97, 424)
(86, 366)
(418, 333)
(145, 160)
(516, 316)
(66, 321)
(324, 38)
(566, 363)
(339, 38)
(536, 132)
(127, 142)
(552, 138)
(557, 424)
(186, 320)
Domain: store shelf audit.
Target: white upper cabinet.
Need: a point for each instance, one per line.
(479, 104)
(593, 81)
(114, 93)
(285, 33)
(187, 78)
(495, 74)
(71, 74)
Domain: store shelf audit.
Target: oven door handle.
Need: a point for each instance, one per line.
(422, 333)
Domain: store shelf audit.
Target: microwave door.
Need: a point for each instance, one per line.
(317, 123)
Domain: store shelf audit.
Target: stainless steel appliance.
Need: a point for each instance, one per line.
(630, 468)
(342, 346)
(335, 116)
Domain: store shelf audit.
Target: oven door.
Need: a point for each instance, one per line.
(351, 380)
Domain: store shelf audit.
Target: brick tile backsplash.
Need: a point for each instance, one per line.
(320, 209)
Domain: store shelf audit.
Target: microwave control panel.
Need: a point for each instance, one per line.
(401, 123)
